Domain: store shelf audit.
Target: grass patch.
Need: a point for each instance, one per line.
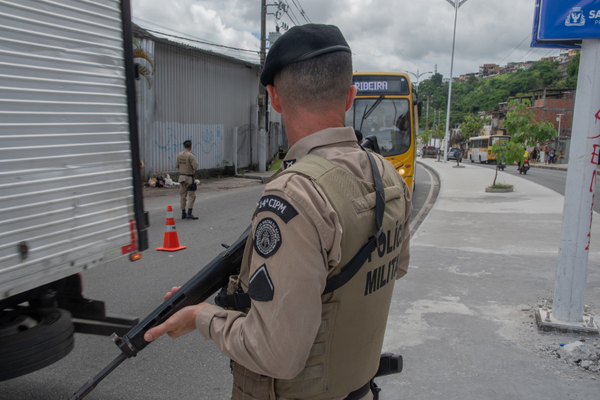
(276, 166)
(501, 186)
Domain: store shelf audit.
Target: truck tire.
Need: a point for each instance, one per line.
(35, 339)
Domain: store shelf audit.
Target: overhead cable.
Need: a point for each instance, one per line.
(526, 37)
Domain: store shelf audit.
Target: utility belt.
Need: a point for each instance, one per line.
(248, 385)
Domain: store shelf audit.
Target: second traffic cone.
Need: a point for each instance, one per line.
(171, 242)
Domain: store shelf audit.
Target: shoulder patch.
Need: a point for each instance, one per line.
(288, 163)
(277, 205)
(267, 238)
(260, 286)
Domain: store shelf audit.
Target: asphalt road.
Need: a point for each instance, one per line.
(550, 178)
(186, 368)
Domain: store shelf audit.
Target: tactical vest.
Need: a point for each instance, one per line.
(185, 166)
(346, 351)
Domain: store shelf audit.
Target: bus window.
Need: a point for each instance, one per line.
(387, 119)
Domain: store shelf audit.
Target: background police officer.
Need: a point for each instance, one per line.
(187, 165)
(303, 337)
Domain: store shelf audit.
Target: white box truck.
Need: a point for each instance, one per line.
(70, 182)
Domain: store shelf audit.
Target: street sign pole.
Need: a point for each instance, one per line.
(568, 25)
(568, 303)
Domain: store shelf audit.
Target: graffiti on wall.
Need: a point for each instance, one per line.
(207, 145)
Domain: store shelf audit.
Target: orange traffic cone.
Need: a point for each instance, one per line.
(171, 242)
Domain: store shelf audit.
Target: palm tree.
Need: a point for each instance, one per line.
(139, 52)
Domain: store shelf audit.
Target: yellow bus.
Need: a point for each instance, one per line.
(480, 148)
(386, 107)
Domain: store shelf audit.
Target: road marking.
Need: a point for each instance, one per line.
(426, 204)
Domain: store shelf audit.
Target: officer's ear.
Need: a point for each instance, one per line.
(274, 97)
(350, 97)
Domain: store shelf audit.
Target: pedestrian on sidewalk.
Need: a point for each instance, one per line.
(546, 154)
(187, 165)
(534, 154)
(300, 325)
(551, 157)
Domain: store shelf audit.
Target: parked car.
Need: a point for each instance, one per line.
(430, 151)
(455, 154)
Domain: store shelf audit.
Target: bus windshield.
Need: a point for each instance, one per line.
(387, 119)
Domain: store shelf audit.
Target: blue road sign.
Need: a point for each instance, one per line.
(569, 20)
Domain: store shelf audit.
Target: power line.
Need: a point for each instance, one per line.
(526, 37)
(530, 53)
(297, 22)
(191, 38)
(301, 10)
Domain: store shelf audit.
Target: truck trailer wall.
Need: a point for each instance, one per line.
(67, 198)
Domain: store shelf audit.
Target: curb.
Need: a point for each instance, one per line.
(549, 167)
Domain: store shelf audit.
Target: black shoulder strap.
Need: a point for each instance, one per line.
(242, 300)
(350, 269)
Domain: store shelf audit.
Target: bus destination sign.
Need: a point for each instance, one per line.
(381, 84)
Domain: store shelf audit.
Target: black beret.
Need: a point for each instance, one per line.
(301, 43)
(187, 143)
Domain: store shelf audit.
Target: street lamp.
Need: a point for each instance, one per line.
(456, 4)
(419, 75)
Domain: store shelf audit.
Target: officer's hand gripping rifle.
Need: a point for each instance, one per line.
(206, 282)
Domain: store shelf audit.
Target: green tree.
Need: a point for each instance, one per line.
(508, 152)
(572, 71)
(141, 54)
(473, 124)
(425, 137)
(521, 125)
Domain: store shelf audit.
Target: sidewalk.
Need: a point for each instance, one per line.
(560, 167)
(463, 315)
(214, 184)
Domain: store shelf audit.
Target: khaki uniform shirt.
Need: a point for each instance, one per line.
(186, 164)
(275, 337)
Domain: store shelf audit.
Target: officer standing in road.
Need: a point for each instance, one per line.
(187, 165)
(329, 237)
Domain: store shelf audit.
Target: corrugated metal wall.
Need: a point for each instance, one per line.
(65, 160)
(200, 96)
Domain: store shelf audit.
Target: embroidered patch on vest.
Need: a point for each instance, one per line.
(278, 206)
(288, 163)
(267, 238)
(260, 286)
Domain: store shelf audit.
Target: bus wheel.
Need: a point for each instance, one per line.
(33, 339)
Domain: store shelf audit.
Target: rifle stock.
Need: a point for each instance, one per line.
(205, 283)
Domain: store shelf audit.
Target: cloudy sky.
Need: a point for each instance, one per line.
(385, 35)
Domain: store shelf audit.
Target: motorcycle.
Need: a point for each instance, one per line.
(523, 168)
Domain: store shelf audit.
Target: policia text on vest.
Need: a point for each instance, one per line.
(389, 242)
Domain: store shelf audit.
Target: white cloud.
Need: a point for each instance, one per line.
(384, 35)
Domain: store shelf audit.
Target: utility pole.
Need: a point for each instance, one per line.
(262, 96)
(427, 114)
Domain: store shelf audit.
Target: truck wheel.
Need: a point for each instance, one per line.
(33, 339)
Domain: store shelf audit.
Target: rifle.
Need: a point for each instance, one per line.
(211, 278)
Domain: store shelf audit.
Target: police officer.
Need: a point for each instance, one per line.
(187, 165)
(313, 322)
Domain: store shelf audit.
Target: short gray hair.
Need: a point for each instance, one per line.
(317, 83)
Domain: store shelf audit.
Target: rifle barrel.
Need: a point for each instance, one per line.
(91, 384)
